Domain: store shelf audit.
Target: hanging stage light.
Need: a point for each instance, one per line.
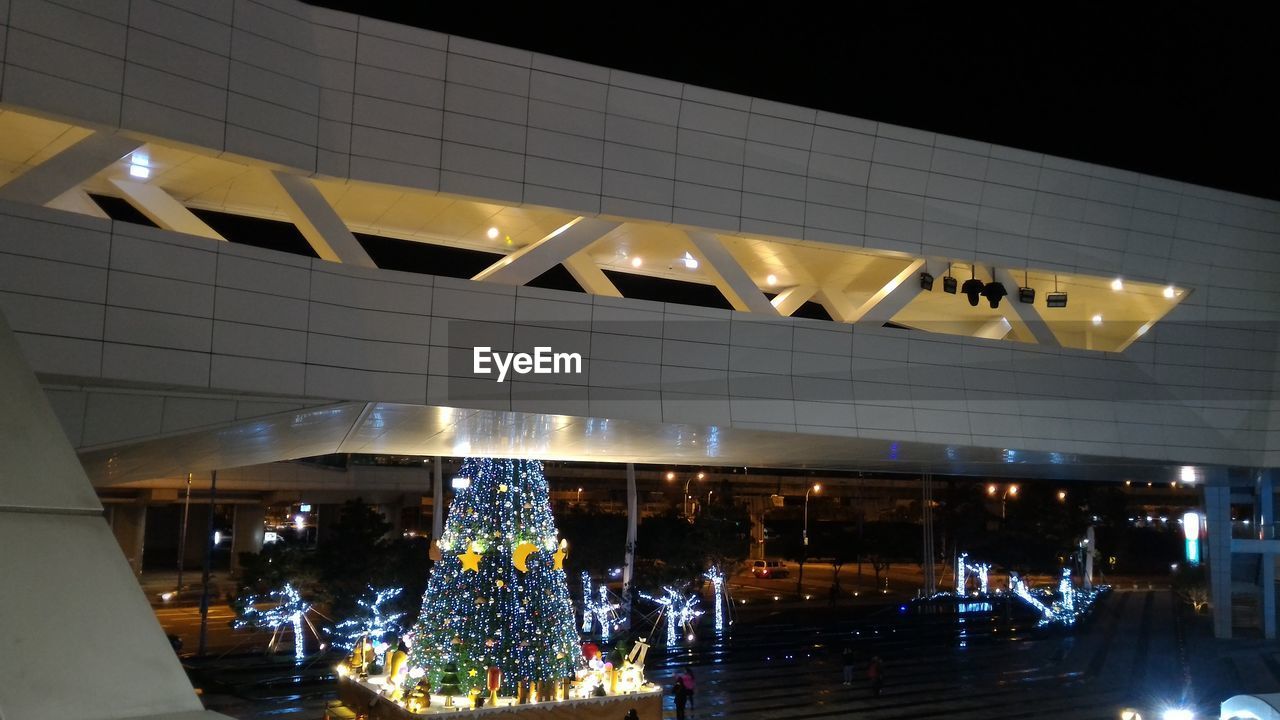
(926, 281)
(973, 286)
(1026, 293)
(948, 282)
(994, 292)
(1055, 299)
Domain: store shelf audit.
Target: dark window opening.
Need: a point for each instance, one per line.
(258, 232)
(557, 278)
(643, 287)
(425, 258)
(121, 210)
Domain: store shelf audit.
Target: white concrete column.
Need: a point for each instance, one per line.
(729, 276)
(589, 275)
(316, 219)
(65, 171)
(538, 257)
(248, 530)
(629, 563)
(129, 525)
(162, 209)
(1217, 516)
(437, 505)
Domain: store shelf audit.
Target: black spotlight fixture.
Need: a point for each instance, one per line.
(1026, 293)
(973, 286)
(1055, 299)
(926, 281)
(994, 292)
(948, 282)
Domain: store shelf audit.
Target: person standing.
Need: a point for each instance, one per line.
(682, 695)
(687, 680)
(875, 674)
(846, 661)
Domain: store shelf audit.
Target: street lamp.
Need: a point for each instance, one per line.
(1011, 491)
(579, 500)
(684, 503)
(804, 549)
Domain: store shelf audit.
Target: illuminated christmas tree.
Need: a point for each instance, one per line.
(498, 596)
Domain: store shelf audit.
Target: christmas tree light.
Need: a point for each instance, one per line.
(289, 609)
(370, 621)
(498, 596)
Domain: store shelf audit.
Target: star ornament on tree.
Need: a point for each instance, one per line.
(561, 554)
(470, 559)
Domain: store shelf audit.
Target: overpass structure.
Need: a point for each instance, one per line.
(165, 347)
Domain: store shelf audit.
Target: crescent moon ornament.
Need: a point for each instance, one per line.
(520, 556)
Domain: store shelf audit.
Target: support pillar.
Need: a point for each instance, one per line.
(1267, 573)
(393, 512)
(1090, 549)
(629, 564)
(129, 524)
(1217, 517)
(757, 534)
(437, 505)
(248, 530)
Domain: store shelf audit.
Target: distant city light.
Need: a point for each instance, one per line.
(304, 507)
(270, 536)
(300, 522)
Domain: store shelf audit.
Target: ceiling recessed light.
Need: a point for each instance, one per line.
(493, 233)
(772, 279)
(1097, 319)
(139, 165)
(1117, 284)
(1168, 291)
(636, 262)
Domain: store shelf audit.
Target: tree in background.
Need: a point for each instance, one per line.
(498, 596)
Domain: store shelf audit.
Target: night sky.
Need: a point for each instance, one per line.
(1178, 90)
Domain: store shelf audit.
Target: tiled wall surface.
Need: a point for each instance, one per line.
(114, 303)
(343, 96)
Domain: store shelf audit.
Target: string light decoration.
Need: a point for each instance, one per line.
(716, 576)
(496, 612)
(370, 621)
(680, 611)
(1067, 592)
(289, 610)
(587, 602)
